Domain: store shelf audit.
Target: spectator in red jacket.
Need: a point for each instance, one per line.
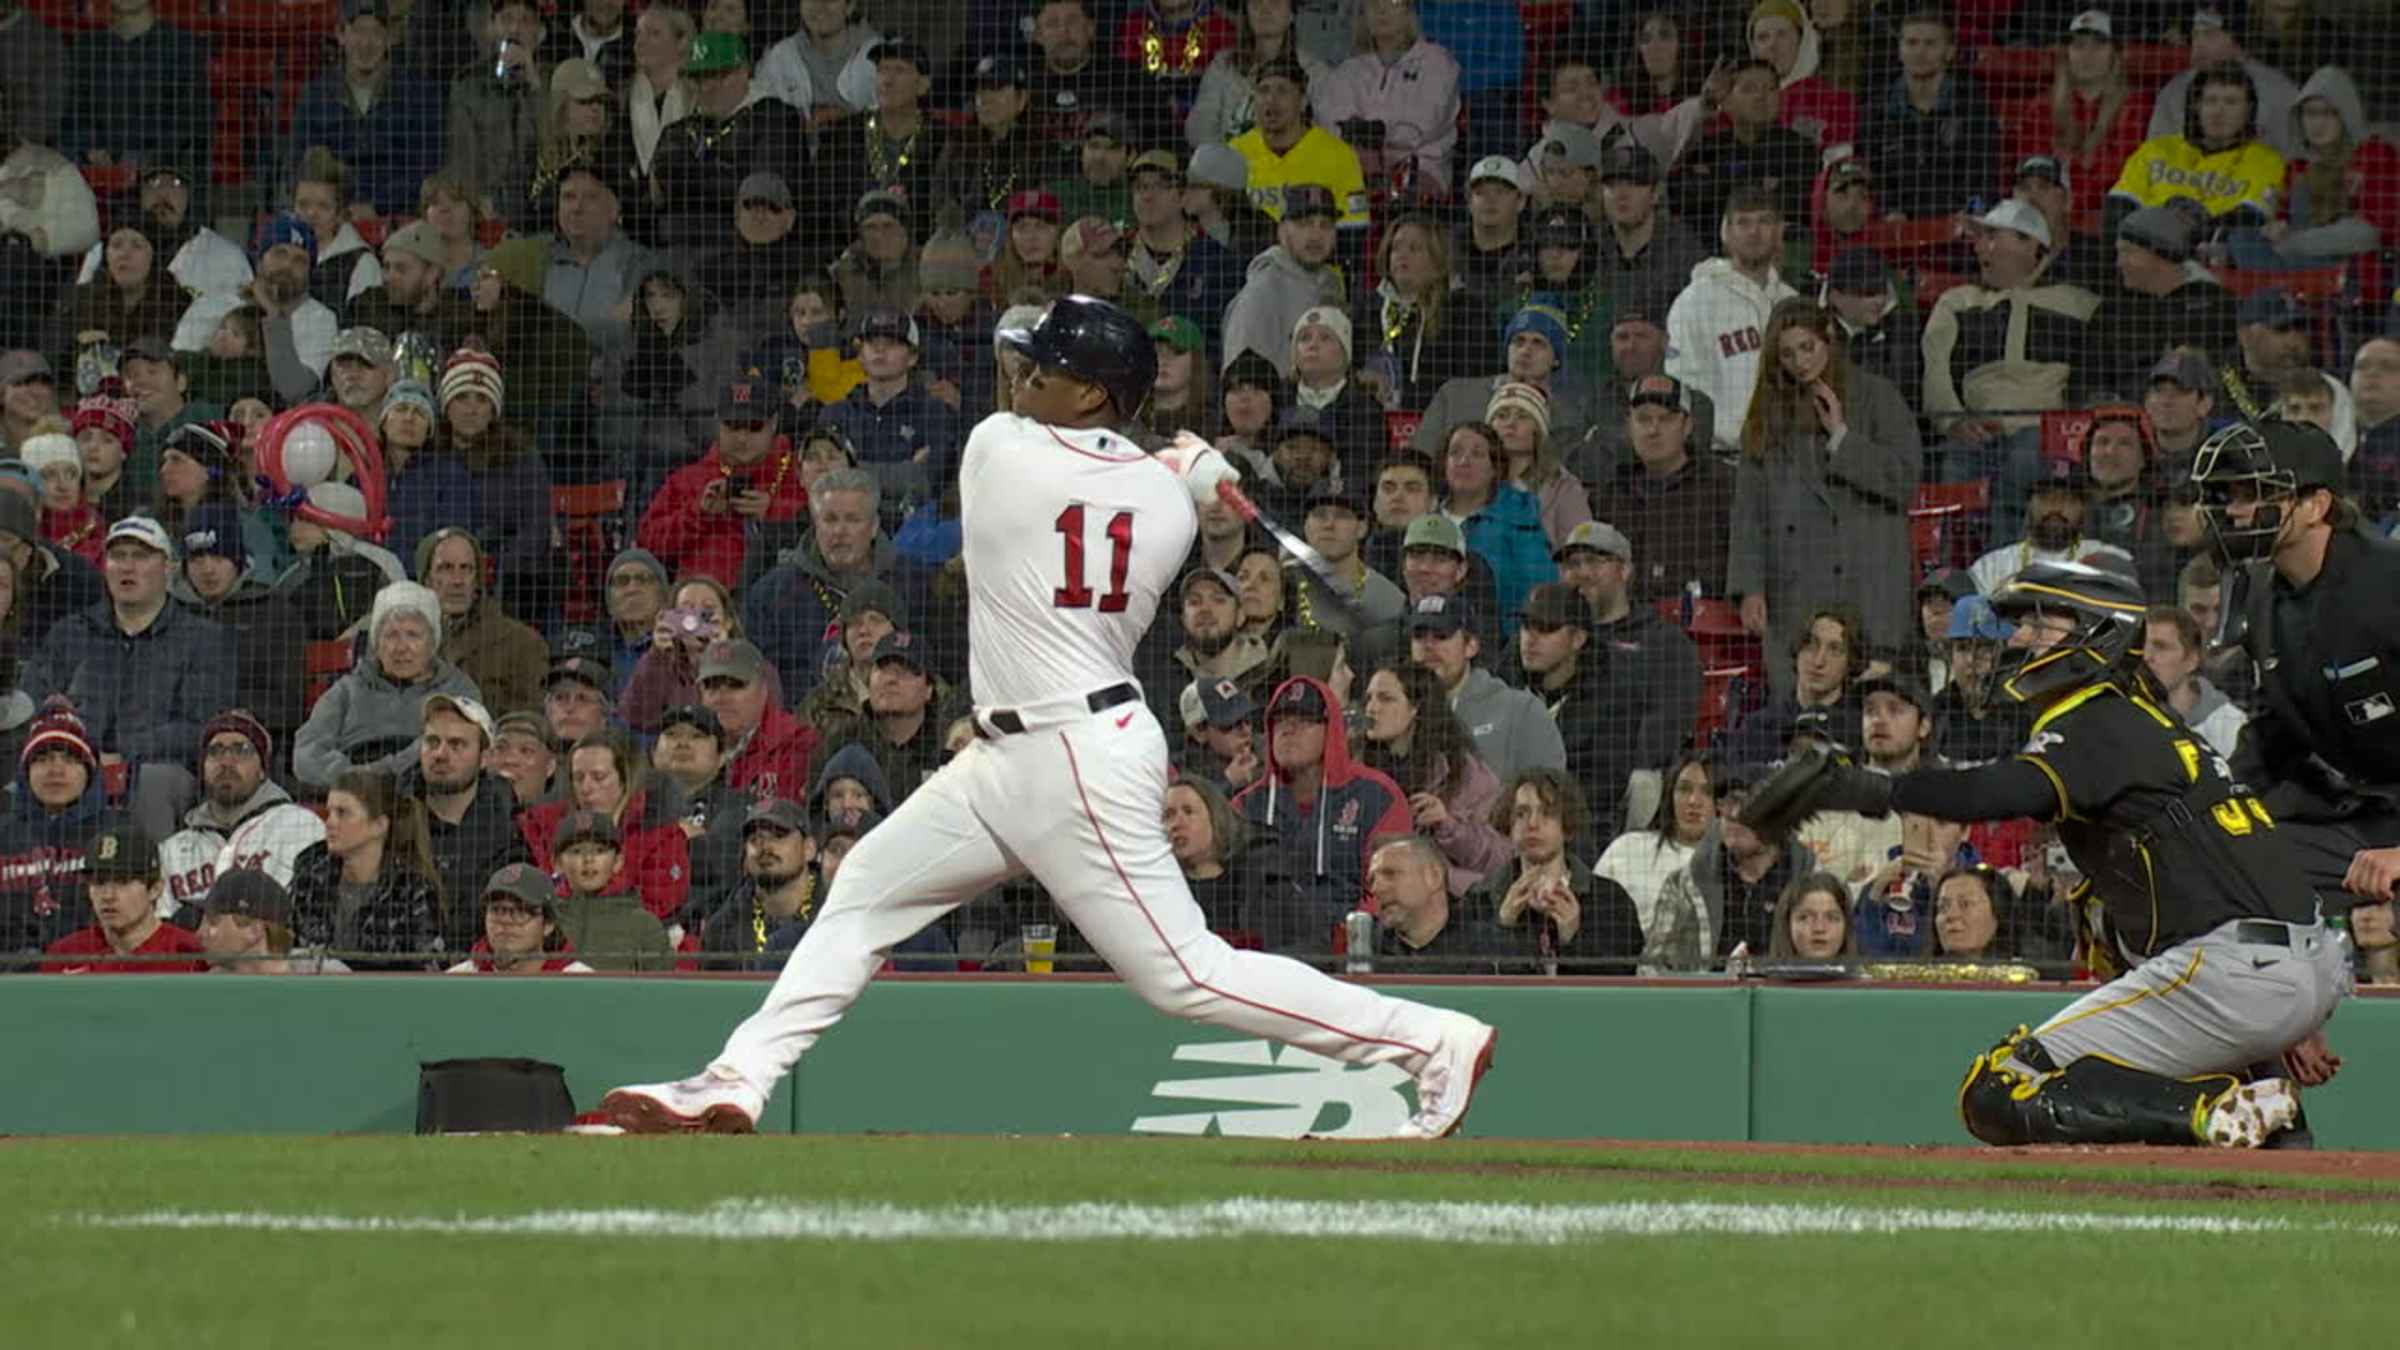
(605, 776)
(701, 521)
(772, 751)
(1326, 812)
(2092, 118)
(122, 877)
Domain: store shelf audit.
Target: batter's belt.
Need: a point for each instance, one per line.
(1009, 722)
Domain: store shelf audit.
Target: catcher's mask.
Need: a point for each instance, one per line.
(2265, 465)
(2104, 611)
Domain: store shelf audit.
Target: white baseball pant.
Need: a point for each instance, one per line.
(1075, 800)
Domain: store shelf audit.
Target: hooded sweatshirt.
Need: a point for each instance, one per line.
(1512, 729)
(1714, 331)
(2363, 213)
(265, 831)
(1321, 847)
(1279, 288)
(852, 761)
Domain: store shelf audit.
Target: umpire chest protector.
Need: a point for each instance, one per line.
(2170, 844)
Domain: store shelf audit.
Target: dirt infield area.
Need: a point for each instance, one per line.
(2181, 1173)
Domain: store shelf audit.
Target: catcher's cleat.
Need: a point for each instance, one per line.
(718, 1101)
(1446, 1085)
(2249, 1115)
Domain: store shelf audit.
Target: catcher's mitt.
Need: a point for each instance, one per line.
(1811, 781)
(1789, 797)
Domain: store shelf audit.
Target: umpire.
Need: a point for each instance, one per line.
(2321, 626)
(2224, 961)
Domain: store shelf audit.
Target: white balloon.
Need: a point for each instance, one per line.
(309, 454)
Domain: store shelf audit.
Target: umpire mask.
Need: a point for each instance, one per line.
(2260, 468)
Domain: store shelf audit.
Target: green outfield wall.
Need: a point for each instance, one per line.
(1843, 1063)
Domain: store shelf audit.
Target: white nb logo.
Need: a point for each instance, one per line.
(1291, 1100)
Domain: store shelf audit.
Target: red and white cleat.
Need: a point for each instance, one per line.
(717, 1101)
(1446, 1085)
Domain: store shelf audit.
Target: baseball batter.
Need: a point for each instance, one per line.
(2190, 891)
(1071, 536)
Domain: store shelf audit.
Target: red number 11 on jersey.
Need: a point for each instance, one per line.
(1075, 594)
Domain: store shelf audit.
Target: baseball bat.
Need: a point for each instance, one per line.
(1336, 591)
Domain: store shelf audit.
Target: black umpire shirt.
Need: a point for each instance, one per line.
(2171, 844)
(2330, 684)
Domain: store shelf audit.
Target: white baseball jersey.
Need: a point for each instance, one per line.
(1071, 538)
(192, 858)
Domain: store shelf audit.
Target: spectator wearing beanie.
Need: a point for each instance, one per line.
(51, 818)
(105, 435)
(2167, 300)
(131, 297)
(954, 323)
(423, 489)
(68, 521)
(1533, 351)
(512, 483)
(244, 819)
(220, 581)
(51, 582)
(1520, 412)
(202, 462)
(371, 718)
(143, 673)
(337, 575)
(503, 656)
(637, 586)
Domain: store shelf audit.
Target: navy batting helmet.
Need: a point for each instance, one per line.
(1093, 341)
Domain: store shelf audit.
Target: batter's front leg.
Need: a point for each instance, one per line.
(927, 858)
(1112, 873)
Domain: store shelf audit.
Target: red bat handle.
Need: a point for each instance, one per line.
(1230, 493)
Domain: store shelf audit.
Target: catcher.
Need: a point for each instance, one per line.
(2220, 962)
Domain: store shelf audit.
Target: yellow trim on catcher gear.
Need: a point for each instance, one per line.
(2170, 987)
(2036, 588)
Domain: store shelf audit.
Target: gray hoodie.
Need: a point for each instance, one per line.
(1280, 288)
(2329, 239)
(1512, 730)
(367, 722)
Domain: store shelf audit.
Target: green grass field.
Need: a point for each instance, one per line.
(169, 1243)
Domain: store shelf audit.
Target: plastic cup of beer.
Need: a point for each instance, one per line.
(1041, 944)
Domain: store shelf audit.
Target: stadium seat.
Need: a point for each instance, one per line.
(1945, 524)
(1399, 426)
(2317, 286)
(591, 523)
(324, 663)
(116, 780)
(108, 180)
(1724, 693)
(1715, 627)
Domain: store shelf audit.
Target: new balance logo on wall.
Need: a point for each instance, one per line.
(1290, 1101)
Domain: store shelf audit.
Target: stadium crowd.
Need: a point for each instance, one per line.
(1667, 385)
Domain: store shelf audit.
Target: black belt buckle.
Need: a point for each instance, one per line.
(2263, 933)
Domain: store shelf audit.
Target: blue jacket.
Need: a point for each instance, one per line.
(435, 490)
(41, 867)
(889, 437)
(144, 697)
(1508, 534)
(392, 148)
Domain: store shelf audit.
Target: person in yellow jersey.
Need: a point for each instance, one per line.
(1286, 147)
(2218, 161)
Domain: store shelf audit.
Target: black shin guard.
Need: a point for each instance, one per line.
(2015, 1094)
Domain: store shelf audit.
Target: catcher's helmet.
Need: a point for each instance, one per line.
(1093, 341)
(2266, 463)
(2106, 609)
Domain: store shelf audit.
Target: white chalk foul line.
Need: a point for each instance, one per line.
(1492, 1224)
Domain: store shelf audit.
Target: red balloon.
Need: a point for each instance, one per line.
(353, 441)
